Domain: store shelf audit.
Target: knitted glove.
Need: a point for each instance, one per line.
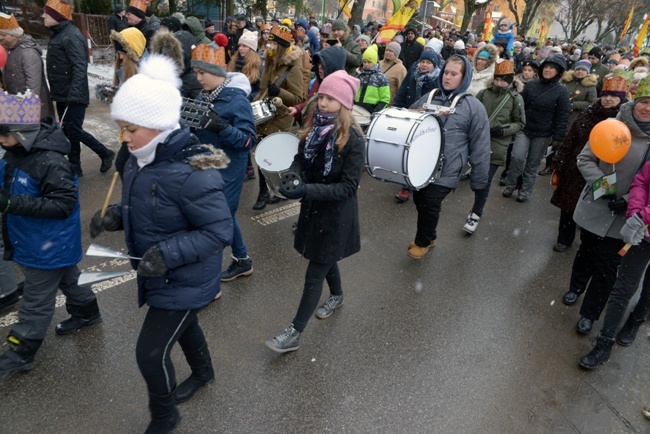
(633, 230)
(618, 206)
(4, 200)
(213, 122)
(112, 221)
(273, 89)
(152, 263)
(497, 131)
(298, 193)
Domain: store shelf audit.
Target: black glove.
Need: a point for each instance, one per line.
(608, 196)
(213, 122)
(152, 263)
(112, 221)
(4, 200)
(497, 131)
(298, 193)
(618, 206)
(273, 89)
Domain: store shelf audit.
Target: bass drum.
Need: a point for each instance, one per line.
(405, 147)
(274, 155)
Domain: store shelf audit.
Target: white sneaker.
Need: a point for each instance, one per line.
(472, 223)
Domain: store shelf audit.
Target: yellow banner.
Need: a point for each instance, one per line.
(400, 17)
(626, 25)
(346, 7)
(643, 34)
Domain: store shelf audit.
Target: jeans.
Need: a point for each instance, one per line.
(73, 129)
(527, 154)
(160, 331)
(428, 202)
(633, 267)
(316, 273)
(480, 196)
(566, 232)
(598, 259)
(39, 297)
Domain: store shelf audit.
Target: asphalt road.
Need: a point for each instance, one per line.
(473, 338)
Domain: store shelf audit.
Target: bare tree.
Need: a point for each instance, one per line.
(576, 15)
(613, 19)
(357, 13)
(471, 6)
(524, 12)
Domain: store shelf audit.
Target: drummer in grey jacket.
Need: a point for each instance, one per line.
(467, 137)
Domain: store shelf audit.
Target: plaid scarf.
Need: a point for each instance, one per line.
(211, 96)
(322, 135)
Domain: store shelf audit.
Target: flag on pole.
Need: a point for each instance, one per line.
(487, 27)
(643, 34)
(628, 21)
(397, 21)
(543, 31)
(346, 7)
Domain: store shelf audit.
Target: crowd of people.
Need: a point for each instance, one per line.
(505, 102)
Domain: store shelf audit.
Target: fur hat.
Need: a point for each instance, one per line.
(249, 39)
(151, 98)
(394, 47)
(207, 58)
(341, 86)
(131, 41)
(60, 10)
(582, 64)
(9, 25)
(282, 35)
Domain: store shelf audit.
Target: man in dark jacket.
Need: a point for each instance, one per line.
(411, 49)
(353, 56)
(448, 49)
(136, 17)
(67, 72)
(597, 67)
(547, 115)
(39, 201)
(117, 21)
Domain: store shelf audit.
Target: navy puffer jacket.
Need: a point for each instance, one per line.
(67, 64)
(177, 203)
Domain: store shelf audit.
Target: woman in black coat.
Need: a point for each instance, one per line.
(330, 161)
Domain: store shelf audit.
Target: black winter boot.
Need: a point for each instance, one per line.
(20, 357)
(262, 200)
(164, 414)
(599, 355)
(81, 316)
(202, 374)
(628, 333)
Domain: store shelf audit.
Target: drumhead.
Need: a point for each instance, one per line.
(276, 151)
(362, 116)
(424, 152)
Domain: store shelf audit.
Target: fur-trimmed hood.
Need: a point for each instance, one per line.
(588, 81)
(491, 49)
(205, 156)
(127, 46)
(517, 84)
(626, 116)
(167, 44)
(639, 61)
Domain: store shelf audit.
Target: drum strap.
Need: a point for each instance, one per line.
(499, 107)
(443, 110)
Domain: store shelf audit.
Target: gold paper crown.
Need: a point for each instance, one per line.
(617, 83)
(208, 54)
(504, 67)
(282, 32)
(8, 22)
(139, 4)
(627, 75)
(63, 7)
(643, 91)
(20, 109)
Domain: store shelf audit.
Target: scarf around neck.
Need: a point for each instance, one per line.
(211, 96)
(322, 135)
(421, 78)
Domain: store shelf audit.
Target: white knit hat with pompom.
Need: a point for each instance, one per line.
(150, 98)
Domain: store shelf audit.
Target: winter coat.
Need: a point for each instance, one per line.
(547, 108)
(407, 92)
(395, 72)
(447, 51)
(177, 203)
(511, 116)
(352, 55)
(466, 134)
(67, 65)
(480, 78)
(639, 197)
(24, 70)
(237, 139)
(154, 23)
(582, 93)
(292, 90)
(374, 93)
(601, 71)
(595, 216)
(571, 182)
(193, 25)
(410, 53)
(117, 23)
(508, 36)
(178, 46)
(328, 224)
(41, 228)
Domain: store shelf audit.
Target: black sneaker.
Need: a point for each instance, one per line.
(75, 323)
(10, 300)
(11, 362)
(107, 161)
(237, 268)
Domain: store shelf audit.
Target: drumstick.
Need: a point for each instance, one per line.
(627, 246)
(110, 193)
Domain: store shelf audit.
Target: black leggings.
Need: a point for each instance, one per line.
(160, 331)
(314, 277)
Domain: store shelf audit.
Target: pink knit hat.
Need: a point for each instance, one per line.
(341, 86)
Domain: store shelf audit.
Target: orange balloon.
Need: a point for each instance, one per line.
(610, 140)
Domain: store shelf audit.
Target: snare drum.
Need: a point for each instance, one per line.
(362, 116)
(263, 111)
(405, 147)
(274, 156)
